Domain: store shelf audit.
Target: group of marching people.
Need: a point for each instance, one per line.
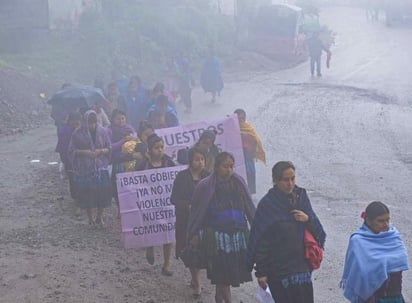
(96, 139)
(218, 227)
(94, 148)
(285, 241)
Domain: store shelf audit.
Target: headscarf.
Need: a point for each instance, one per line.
(119, 132)
(86, 118)
(370, 258)
(82, 139)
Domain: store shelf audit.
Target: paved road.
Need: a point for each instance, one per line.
(349, 132)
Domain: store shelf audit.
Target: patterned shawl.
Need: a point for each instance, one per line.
(202, 197)
(82, 140)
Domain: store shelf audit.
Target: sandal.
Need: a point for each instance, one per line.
(167, 273)
(78, 212)
(99, 221)
(150, 258)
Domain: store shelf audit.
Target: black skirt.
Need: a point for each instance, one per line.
(228, 269)
(225, 257)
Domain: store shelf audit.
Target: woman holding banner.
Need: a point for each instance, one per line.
(207, 145)
(156, 158)
(183, 188)
(221, 208)
(137, 148)
(119, 132)
(252, 148)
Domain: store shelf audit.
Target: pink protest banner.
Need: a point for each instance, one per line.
(227, 139)
(148, 217)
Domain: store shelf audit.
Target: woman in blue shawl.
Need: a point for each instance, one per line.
(276, 243)
(161, 114)
(211, 76)
(375, 259)
(137, 102)
(89, 153)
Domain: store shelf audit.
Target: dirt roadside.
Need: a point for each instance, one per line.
(23, 99)
(47, 254)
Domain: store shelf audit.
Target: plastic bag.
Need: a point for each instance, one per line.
(62, 171)
(264, 296)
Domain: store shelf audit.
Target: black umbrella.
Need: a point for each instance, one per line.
(77, 97)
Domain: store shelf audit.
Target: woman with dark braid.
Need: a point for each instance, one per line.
(218, 225)
(375, 259)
